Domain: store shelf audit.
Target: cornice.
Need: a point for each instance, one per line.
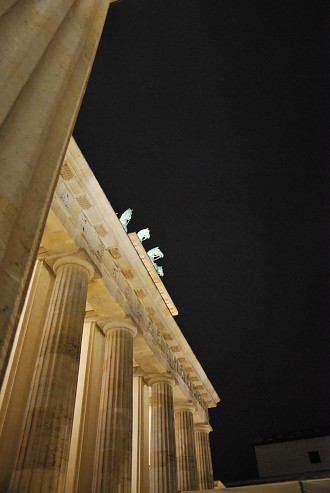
(86, 213)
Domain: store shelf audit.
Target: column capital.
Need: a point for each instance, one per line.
(125, 323)
(74, 260)
(137, 371)
(161, 378)
(184, 406)
(206, 427)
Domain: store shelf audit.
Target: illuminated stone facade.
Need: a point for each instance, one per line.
(89, 349)
(102, 391)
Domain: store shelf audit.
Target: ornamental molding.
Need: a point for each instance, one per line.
(85, 212)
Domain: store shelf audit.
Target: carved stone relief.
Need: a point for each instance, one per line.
(115, 273)
(65, 196)
(84, 201)
(139, 310)
(140, 293)
(66, 171)
(99, 228)
(128, 273)
(115, 253)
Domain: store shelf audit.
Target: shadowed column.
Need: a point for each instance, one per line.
(140, 457)
(163, 477)
(113, 458)
(204, 459)
(185, 447)
(44, 450)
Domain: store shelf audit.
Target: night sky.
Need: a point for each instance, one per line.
(210, 118)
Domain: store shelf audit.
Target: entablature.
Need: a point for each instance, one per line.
(91, 224)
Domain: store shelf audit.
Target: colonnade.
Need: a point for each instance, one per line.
(178, 449)
(47, 50)
(44, 448)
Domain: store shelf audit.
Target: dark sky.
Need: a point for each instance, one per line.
(210, 119)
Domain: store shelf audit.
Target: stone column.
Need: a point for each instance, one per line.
(47, 49)
(204, 459)
(163, 478)
(44, 450)
(113, 457)
(185, 447)
(16, 390)
(140, 445)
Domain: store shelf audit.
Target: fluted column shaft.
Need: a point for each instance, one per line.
(185, 448)
(47, 50)
(140, 444)
(44, 450)
(113, 459)
(163, 476)
(204, 459)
